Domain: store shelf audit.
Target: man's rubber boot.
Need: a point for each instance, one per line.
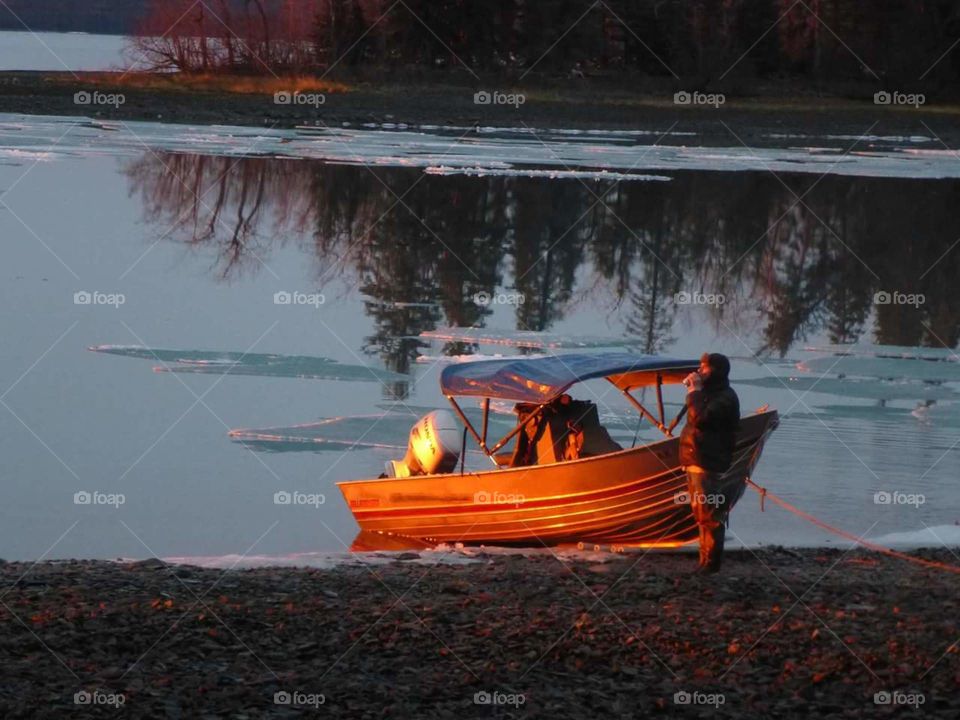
(714, 555)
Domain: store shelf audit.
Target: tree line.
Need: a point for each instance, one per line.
(901, 44)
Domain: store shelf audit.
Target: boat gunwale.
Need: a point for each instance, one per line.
(564, 463)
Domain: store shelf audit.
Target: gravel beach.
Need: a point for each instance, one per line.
(778, 634)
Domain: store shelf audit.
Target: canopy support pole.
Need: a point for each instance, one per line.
(663, 420)
(481, 439)
(516, 431)
(677, 419)
(646, 413)
(486, 418)
(469, 426)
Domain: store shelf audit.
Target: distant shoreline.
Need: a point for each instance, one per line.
(747, 120)
(41, 31)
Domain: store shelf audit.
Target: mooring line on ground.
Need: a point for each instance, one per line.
(764, 494)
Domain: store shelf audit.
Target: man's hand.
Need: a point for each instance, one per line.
(693, 381)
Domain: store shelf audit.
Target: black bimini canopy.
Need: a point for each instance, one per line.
(539, 380)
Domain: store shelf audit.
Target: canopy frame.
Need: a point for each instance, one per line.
(490, 452)
(626, 376)
(482, 438)
(660, 423)
(541, 380)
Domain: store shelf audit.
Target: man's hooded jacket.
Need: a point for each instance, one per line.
(713, 415)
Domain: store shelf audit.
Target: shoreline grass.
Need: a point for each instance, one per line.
(203, 83)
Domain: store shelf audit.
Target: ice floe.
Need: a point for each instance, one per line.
(936, 536)
(525, 338)
(240, 363)
(882, 367)
(612, 155)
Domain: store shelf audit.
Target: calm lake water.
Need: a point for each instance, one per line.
(380, 235)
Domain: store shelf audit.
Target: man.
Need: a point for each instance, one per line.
(706, 451)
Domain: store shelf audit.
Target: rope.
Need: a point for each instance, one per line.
(849, 536)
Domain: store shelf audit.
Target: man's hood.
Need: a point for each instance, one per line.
(720, 370)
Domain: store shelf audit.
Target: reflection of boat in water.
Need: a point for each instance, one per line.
(565, 480)
(368, 541)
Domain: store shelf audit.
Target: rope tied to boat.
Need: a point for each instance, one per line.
(932, 564)
(763, 495)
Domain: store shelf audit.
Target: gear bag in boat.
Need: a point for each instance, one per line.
(566, 430)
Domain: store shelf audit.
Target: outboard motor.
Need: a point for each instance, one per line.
(434, 447)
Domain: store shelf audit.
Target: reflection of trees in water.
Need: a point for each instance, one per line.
(634, 251)
(659, 240)
(218, 201)
(913, 228)
(438, 248)
(795, 264)
(795, 267)
(546, 240)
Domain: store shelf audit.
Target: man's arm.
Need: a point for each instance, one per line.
(705, 415)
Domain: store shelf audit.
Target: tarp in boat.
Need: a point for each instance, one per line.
(539, 380)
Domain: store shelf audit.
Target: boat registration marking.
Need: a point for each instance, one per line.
(365, 502)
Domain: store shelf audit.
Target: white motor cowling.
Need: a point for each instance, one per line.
(434, 447)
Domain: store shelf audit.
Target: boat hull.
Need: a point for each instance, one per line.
(630, 497)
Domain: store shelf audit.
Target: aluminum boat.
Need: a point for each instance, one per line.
(557, 477)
